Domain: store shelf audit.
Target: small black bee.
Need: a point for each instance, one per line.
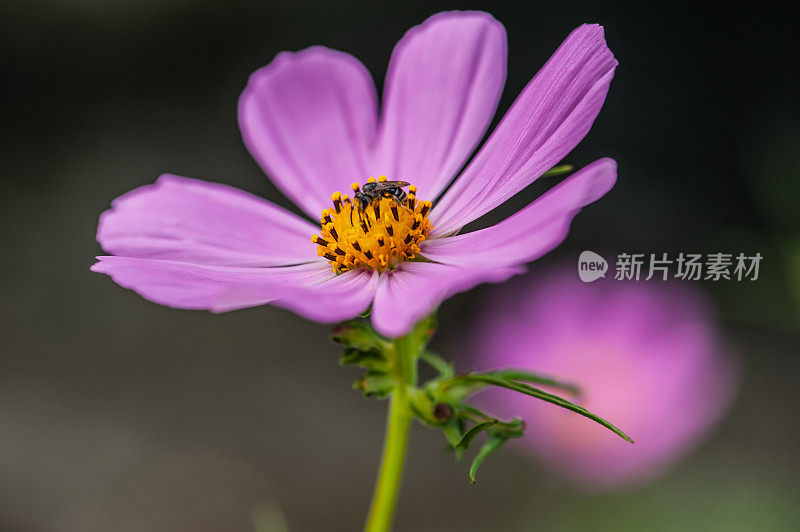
(373, 191)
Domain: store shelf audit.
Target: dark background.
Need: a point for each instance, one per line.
(118, 414)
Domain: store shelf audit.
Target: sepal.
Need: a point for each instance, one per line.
(358, 335)
(371, 360)
(375, 384)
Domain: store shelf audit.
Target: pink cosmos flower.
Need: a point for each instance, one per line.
(311, 120)
(646, 356)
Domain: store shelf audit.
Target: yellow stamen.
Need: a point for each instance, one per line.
(377, 237)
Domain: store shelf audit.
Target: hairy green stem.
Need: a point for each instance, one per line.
(398, 425)
(387, 487)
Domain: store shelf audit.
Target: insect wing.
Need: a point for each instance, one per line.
(392, 184)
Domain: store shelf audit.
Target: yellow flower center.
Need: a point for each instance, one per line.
(380, 227)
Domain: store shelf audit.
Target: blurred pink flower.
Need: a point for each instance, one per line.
(311, 120)
(646, 356)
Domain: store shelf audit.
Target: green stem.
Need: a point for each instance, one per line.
(394, 452)
(398, 425)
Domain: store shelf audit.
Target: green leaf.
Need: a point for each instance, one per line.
(476, 429)
(452, 433)
(491, 445)
(558, 170)
(511, 429)
(423, 406)
(474, 412)
(453, 430)
(441, 365)
(526, 376)
(549, 397)
(456, 388)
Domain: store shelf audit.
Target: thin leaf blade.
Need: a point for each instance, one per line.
(491, 445)
(550, 398)
(476, 429)
(526, 376)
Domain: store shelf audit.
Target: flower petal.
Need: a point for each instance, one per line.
(415, 289)
(442, 87)
(548, 119)
(311, 290)
(309, 119)
(208, 287)
(340, 298)
(188, 220)
(531, 232)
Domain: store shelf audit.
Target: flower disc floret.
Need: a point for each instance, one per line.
(378, 236)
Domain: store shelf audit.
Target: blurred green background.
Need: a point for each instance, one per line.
(118, 414)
